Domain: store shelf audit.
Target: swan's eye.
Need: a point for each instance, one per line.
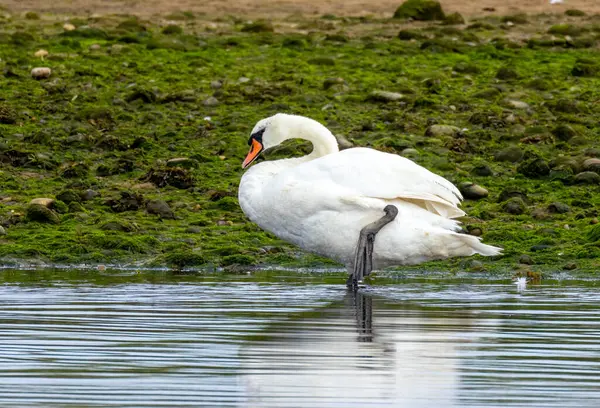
(257, 136)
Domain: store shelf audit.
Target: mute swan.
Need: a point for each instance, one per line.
(323, 202)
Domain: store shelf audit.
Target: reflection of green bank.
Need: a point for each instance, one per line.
(126, 97)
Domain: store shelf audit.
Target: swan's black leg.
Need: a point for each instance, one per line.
(363, 258)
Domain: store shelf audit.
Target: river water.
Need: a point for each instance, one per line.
(127, 339)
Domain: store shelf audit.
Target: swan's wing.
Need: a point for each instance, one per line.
(371, 173)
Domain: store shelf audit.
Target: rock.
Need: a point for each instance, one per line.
(385, 96)
(570, 266)
(41, 72)
(143, 186)
(88, 195)
(592, 164)
(534, 168)
(515, 206)
(564, 132)
(442, 130)
(475, 231)
(526, 260)
(511, 154)
(410, 152)
(540, 214)
(343, 142)
(68, 27)
(183, 162)
(161, 208)
(216, 84)
(482, 170)
(420, 10)
(594, 221)
(587, 177)
(513, 103)
(507, 73)
(472, 191)
(558, 208)
(173, 176)
(260, 26)
(116, 226)
(2, 230)
(454, 19)
(333, 82)
(95, 47)
(126, 202)
(210, 101)
(476, 265)
(46, 202)
(68, 196)
(193, 230)
(41, 213)
(41, 54)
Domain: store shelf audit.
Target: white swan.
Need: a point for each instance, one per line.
(322, 201)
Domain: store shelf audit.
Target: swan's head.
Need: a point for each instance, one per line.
(267, 133)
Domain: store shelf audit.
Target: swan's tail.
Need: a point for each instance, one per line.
(466, 245)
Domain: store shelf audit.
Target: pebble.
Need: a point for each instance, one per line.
(216, 84)
(442, 130)
(472, 191)
(513, 103)
(95, 47)
(386, 96)
(558, 208)
(211, 101)
(2, 230)
(587, 177)
(46, 202)
(526, 260)
(41, 72)
(592, 164)
(68, 27)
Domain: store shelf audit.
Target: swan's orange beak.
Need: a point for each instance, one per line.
(255, 148)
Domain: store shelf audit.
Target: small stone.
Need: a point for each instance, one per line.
(482, 170)
(385, 96)
(594, 221)
(2, 230)
(68, 196)
(161, 208)
(511, 154)
(442, 130)
(95, 47)
(41, 54)
(41, 213)
(564, 132)
(540, 214)
(211, 101)
(515, 206)
(587, 177)
(216, 84)
(570, 266)
(540, 247)
(472, 191)
(68, 27)
(222, 223)
(475, 231)
(46, 202)
(193, 230)
(41, 72)
(410, 152)
(558, 208)
(592, 164)
(243, 80)
(343, 142)
(476, 265)
(526, 260)
(331, 82)
(88, 195)
(513, 103)
(533, 168)
(184, 162)
(116, 48)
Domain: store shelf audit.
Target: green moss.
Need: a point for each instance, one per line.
(259, 26)
(172, 29)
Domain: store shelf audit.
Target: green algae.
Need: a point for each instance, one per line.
(125, 97)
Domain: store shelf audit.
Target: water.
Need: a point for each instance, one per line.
(156, 339)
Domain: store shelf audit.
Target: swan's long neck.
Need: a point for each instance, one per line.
(322, 139)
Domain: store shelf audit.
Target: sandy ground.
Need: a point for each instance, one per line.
(282, 8)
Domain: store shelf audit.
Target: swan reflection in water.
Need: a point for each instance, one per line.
(353, 354)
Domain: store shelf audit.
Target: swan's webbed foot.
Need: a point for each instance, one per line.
(363, 258)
